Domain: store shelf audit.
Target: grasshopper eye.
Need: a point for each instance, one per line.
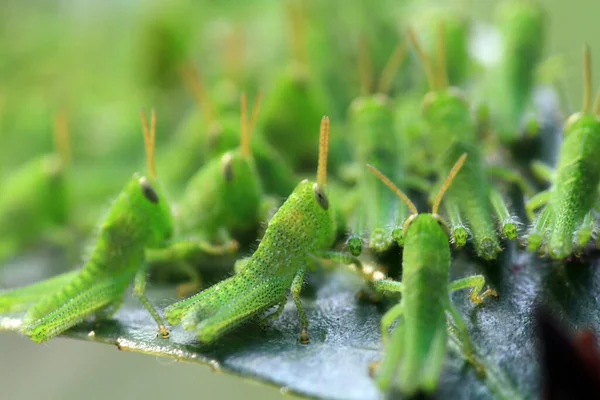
(320, 197)
(148, 191)
(227, 161)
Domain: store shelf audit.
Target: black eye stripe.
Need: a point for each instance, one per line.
(228, 167)
(321, 197)
(148, 191)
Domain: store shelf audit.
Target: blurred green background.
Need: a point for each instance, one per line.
(37, 64)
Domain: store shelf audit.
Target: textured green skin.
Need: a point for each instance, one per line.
(575, 189)
(372, 123)
(447, 117)
(523, 29)
(291, 111)
(33, 200)
(299, 231)
(469, 191)
(452, 133)
(211, 202)
(132, 224)
(418, 345)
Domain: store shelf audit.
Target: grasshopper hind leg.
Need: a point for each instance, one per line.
(74, 311)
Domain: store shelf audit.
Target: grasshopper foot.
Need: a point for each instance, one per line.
(373, 367)
(478, 299)
(164, 332)
(304, 336)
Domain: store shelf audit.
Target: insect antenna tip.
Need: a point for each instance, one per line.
(323, 151)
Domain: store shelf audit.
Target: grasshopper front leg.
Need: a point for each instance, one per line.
(476, 283)
(139, 289)
(296, 288)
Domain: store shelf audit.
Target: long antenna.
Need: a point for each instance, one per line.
(254, 116)
(386, 181)
(323, 150)
(587, 79)
(365, 67)
(442, 75)
(391, 67)
(149, 141)
(296, 18)
(61, 135)
(453, 172)
(244, 139)
(412, 37)
(234, 54)
(194, 84)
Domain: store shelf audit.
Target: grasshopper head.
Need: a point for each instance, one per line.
(149, 210)
(307, 210)
(365, 104)
(142, 205)
(310, 214)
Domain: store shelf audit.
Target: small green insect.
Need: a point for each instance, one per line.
(139, 218)
(295, 104)
(372, 123)
(34, 200)
(217, 132)
(472, 201)
(523, 26)
(417, 349)
(567, 221)
(220, 206)
(301, 232)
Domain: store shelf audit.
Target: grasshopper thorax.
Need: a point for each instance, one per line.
(579, 120)
(435, 99)
(364, 103)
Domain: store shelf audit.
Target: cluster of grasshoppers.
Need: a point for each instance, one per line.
(233, 181)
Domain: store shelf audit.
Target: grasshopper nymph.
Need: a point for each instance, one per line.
(451, 132)
(301, 232)
(139, 218)
(220, 203)
(34, 199)
(416, 351)
(372, 123)
(567, 222)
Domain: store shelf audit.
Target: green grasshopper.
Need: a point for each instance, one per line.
(301, 232)
(416, 351)
(220, 136)
(34, 199)
(223, 199)
(139, 218)
(295, 104)
(451, 131)
(372, 124)
(523, 29)
(567, 221)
